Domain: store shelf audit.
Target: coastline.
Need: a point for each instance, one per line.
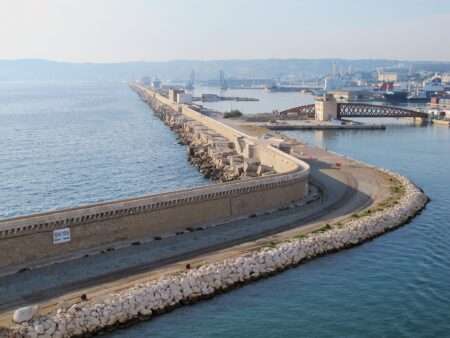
(145, 300)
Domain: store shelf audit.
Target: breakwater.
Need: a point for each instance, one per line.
(215, 156)
(273, 179)
(154, 297)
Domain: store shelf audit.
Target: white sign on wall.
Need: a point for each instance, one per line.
(61, 236)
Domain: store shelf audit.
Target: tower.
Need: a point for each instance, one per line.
(334, 69)
(222, 81)
(192, 77)
(191, 83)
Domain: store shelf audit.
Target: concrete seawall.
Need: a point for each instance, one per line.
(41, 238)
(154, 297)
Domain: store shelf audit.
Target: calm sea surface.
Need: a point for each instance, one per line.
(62, 145)
(395, 286)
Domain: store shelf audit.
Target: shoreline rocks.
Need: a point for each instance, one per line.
(216, 157)
(208, 151)
(25, 314)
(145, 300)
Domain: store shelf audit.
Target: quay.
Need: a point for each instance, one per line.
(324, 127)
(444, 123)
(316, 125)
(216, 98)
(318, 202)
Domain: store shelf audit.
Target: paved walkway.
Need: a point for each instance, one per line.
(347, 186)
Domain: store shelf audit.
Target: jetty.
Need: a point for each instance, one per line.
(270, 179)
(277, 203)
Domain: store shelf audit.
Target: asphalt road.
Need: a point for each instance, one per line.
(344, 190)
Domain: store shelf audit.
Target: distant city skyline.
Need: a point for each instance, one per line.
(143, 30)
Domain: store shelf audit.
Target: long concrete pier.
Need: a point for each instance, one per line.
(46, 237)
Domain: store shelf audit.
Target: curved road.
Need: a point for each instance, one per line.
(346, 187)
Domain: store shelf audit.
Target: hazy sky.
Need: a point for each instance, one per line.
(126, 30)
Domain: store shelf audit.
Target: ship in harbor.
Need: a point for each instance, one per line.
(396, 96)
(287, 89)
(419, 96)
(392, 93)
(407, 92)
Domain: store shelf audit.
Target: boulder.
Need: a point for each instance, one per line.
(25, 314)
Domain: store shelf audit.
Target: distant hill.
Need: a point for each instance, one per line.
(44, 70)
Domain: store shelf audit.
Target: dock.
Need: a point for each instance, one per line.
(444, 123)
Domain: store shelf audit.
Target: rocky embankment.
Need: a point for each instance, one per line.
(154, 297)
(216, 157)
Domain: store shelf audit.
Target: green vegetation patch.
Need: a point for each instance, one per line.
(271, 244)
(325, 228)
(232, 114)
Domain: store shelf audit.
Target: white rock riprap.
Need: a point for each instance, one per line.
(144, 300)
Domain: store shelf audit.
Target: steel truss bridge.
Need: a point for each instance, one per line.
(346, 110)
(306, 111)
